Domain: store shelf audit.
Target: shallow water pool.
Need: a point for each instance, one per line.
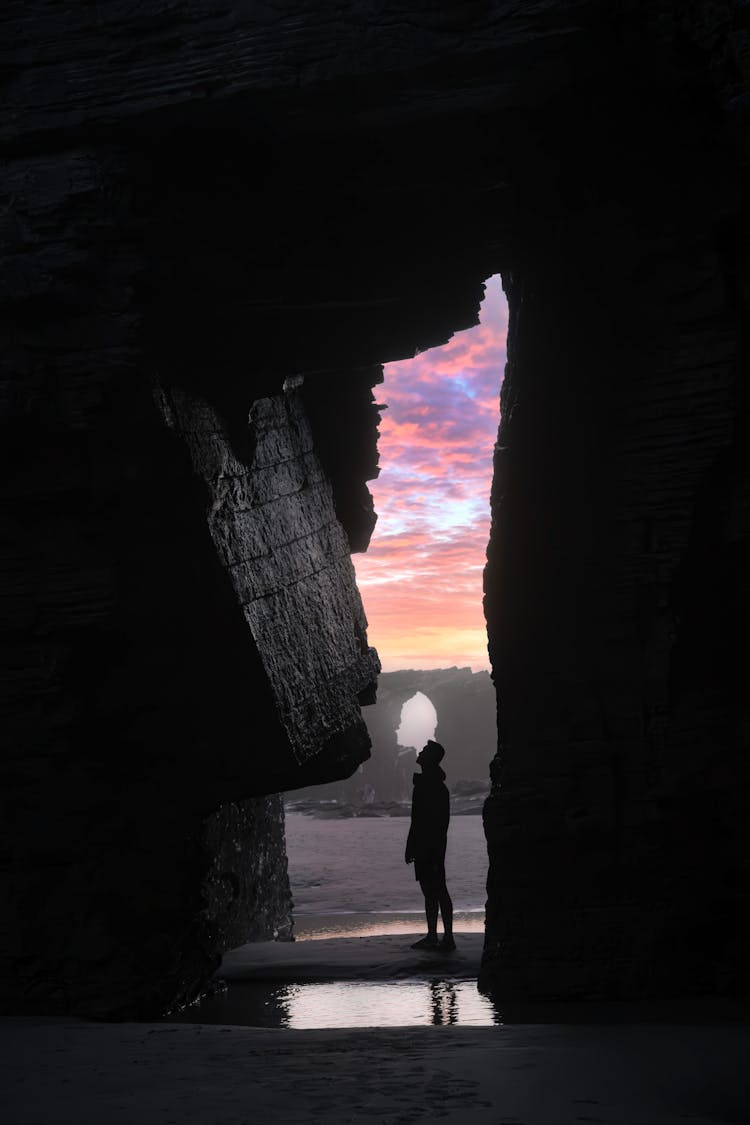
(404, 1003)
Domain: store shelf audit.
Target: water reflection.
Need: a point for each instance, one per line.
(444, 1002)
(345, 1004)
(419, 1003)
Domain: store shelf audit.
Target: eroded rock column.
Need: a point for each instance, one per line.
(276, 532)
(617, 823)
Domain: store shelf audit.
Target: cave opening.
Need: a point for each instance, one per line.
(421, 584)
(421, 581)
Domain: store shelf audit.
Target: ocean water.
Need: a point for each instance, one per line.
(349, 878)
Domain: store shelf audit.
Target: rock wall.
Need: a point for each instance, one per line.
(247, 893)
(617, 570)
(272, 517)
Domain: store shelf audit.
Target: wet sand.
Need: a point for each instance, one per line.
(64, 1072)
(369, 981)
(635, 1068)
(382, 957)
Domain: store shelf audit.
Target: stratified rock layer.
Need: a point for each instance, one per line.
(275, 530)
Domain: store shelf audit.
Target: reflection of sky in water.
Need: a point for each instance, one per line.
(389, 1004)
(407, 1003)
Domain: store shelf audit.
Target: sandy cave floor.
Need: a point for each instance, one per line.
(381, 957)
(553, 1066)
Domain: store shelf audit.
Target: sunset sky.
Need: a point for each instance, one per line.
(421, 577)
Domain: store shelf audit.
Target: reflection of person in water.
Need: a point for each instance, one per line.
(426, 843)
(444, 1003)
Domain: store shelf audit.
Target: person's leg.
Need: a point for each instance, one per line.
(431, 905)
(431, 909)
(446, 910)
(446, 913)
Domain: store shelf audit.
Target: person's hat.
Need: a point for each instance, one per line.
(434, 751)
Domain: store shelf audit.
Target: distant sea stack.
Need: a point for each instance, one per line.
(467, 727)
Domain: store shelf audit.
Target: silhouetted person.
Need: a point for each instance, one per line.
(426, 843)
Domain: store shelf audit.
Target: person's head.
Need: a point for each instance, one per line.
(431, 754)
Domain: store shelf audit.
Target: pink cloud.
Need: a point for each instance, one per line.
(421, 578)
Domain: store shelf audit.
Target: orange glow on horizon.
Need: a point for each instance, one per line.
(421, 577)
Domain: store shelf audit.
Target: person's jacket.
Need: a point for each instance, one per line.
(430, 814)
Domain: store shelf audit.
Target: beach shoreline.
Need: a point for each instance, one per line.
(77, 1072)
(559, 1067)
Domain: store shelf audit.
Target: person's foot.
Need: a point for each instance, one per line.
(428, 942)
(447, 942)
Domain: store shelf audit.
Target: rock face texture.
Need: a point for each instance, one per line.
(616, 583)
(246, 890)
(275, 516)
(217, 226)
